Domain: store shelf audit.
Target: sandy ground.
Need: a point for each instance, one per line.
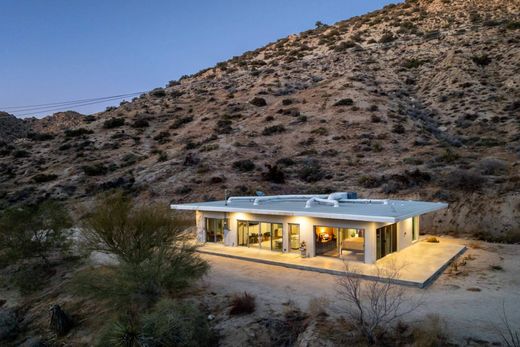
(469, 296)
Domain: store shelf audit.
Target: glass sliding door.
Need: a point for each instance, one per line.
(294, 238)
(276, 237)
(215, 230)
(260, 235)
(415, 228)
(253, 232)
(242, 234)
(265, 233)
(386, 240)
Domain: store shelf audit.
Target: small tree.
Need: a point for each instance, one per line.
(151, 245)
(373, 305)
(30, 232)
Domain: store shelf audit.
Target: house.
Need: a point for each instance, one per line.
(334, 225)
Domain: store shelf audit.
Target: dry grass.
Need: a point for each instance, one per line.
(242, 304)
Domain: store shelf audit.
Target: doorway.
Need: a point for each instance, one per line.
(386, 240)
(294, 238)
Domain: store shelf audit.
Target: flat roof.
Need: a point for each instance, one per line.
(370, 210)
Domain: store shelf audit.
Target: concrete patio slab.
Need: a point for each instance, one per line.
(418, 265)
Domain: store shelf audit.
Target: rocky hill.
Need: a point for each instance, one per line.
(419, 100)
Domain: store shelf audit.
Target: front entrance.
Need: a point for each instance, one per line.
(386, 240)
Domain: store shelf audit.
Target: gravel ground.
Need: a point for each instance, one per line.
(469, 297)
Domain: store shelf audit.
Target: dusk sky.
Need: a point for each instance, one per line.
(62, 50)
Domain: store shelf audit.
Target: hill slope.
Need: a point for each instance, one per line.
(418, 100)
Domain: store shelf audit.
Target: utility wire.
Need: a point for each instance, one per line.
(63, 108)
(65, 103)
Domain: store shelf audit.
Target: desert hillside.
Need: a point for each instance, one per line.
(419, 100)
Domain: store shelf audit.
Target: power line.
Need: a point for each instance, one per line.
(65, 103)
(63, 108)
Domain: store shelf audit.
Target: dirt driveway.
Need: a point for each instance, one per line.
(468, 296)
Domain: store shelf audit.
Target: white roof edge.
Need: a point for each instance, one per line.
(365, 218)
(342, 216)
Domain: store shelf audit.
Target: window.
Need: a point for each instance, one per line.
(215, 230)
(260, 235)
(415, 228)
(294, 237)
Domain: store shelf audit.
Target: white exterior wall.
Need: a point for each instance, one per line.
(404, 229)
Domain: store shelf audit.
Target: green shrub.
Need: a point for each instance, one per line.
(42, 178)
(274, 174)
(344, 102)
(152, 247)
(174, 323)
(21, 153)
(77, 132)
(113, 123)
(140, 123)
(95, 170)
(259, 102)
(244, 165)
(33, 232)
(179, 122)
(481, 60)
(465, 180)
(311, 171)
(274, 129)
(414, 63)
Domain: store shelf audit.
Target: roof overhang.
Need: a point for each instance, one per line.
(342, 216)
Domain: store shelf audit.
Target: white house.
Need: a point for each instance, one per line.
(335, 225)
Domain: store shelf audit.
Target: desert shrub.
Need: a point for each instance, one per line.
(398, 129)
(368, 181)
(449, 156)
(387, 37)
(158, 93)
(179, 122)
(242, 304)
(274, 129)
(287, 102)
(162, 137)
(33, 232)
(413, 63)
(244, 165)
(285, 162)
(113, 123)
(513, 25)
(170, 323)
(431, 332)
(42, 178)
(98, 169)
(259, 102)
(140, 123)
(492, 166)
(321, 131)
(173, 323)
(375, 118)
(373, 306)
(77, 132)
(344, 102)
(153, 251)
(311, 171)
(465, 180)
(21, 153)
(274, 174)
(481, 60)
(224, 126)
(40, 136)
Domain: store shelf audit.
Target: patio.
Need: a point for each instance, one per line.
(418, 265)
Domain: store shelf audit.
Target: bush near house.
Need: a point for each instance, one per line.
(151, 245)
